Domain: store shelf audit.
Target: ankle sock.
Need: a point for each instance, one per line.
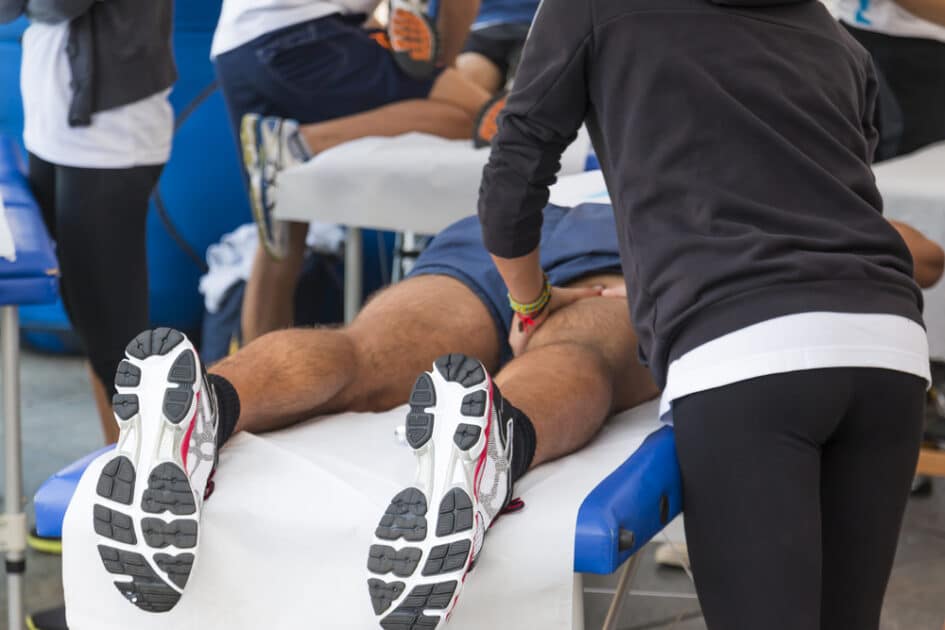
(523, 434)
(228, 407)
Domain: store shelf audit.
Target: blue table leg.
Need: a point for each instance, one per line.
(15, 520)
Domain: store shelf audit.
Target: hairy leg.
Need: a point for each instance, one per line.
(268, 303)
(291, 375)
(448, 112)
(478, 69)
(579, 369)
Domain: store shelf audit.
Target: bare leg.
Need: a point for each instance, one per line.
(292, 375)
(585, 354)
(104, 407)
(448, 112)
(268, 303)
(480, 71)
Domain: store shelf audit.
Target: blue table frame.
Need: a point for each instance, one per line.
(31, 278)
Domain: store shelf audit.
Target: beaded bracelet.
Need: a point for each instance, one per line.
(536, 306)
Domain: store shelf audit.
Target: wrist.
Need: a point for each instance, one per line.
(535, 306)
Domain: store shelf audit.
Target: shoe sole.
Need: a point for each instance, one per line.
(416, 574)
(417, 66)
(149, 532)
(253, 160)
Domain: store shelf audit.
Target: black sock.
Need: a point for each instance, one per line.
(523, 434)
(228, 407)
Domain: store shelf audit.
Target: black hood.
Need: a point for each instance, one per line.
(756, 3)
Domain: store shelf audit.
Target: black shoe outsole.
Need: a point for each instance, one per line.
(146, 590)
(168, 491)
(409, 614)
(405, 517)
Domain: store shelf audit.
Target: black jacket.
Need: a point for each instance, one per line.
(119, 50)
(736, 144)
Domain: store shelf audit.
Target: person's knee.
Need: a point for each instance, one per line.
(373, 386)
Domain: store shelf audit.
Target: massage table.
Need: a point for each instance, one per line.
(284, 538)
(28, 275)
(414, 183)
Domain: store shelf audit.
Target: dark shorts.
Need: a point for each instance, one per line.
(501, 44)
(575, 243)
(312, 72)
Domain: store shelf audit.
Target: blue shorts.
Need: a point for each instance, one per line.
(575, 243)
(312, 72)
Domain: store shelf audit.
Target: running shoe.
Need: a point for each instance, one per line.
(414, 42)
(151, 494)
(420, 558)
(487, 122)
(270, 145)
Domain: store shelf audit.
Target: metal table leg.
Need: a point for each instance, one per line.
(13, 526)
(623, 588)
(354, 266)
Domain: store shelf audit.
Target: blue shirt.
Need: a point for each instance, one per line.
(493, 12)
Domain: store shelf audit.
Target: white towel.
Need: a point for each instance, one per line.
(7, 246)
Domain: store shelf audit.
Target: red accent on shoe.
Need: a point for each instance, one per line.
(480, 465)
(515, 505)
(185, 445)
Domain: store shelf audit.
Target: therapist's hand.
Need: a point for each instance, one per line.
(520, 334)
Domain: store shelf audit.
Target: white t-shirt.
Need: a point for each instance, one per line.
(887, 16)
(138, 134)
(242, 21)
(806, 341)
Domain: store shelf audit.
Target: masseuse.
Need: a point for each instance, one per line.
(773, 303)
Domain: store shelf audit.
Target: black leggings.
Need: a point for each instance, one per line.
(97, 218)
(794, 489)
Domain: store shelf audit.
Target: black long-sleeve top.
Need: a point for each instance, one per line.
(736, 143)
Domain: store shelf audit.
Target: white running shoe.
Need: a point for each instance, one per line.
(167, 412)
(463, 484)
(270, 145)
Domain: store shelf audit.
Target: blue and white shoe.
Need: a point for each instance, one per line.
(270, 145)
(431, 534)
(150, 495)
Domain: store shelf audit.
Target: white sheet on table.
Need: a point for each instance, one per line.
(286, 533)
(7, 246)
(414, 182)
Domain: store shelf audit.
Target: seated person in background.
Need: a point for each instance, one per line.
(495, 42)
(321, 64)
(552, 392)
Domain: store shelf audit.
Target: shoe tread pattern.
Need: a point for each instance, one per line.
(420, 423)
(447, 558)
(384, 594)
(456, 513)
(114, 525)
(383, 559)
(458, 368)
(405, 517)
(177, 399)
(125, 405)
(474, 404)
(158, 341)
(181, 533)
(409, 615)
(117, 481)
(466, 436)
(168, 491)
(127, 375)
(178, 568)
(146, 590)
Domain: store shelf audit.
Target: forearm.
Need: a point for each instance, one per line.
(523, 276)
(928, 258)
(931, 10)
(453, 22)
